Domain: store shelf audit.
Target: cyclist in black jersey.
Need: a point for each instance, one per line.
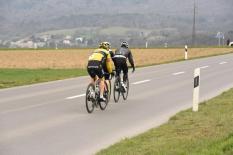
(120, 60)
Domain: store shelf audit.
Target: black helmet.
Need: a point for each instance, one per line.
(124, 44)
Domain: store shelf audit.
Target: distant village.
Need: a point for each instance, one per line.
(138, 39)
(47, 41)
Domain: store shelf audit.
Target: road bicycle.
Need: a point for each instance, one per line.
(119, 89)
(93, 96)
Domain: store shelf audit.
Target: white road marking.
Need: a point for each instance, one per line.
(38, 105)
(178, 73)
(77, 96)
(203, 67)
(221, 63)
(140, 82)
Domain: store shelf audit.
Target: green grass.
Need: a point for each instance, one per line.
(207, 132)
(18, 77)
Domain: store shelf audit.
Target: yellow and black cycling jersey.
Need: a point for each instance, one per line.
(104, 57)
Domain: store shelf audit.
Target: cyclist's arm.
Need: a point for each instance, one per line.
(130, 57)
(109, 64)
(111, 53)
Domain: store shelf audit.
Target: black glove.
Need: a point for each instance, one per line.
(133, 69)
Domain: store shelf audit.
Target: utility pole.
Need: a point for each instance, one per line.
(194, 25)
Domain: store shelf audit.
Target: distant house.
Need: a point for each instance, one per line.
(68, 37)
(41, 44)
(79, 39)
(23, 44)
(46, 37)
(66, 42)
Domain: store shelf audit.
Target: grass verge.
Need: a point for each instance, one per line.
(18, 77)
(207, 132)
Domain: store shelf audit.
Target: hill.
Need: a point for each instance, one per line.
(20, 18)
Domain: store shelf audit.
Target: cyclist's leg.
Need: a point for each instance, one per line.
(92, 74)
(118, 66)
(106, 77)
(95, 70)
(101, 87)
(100, 74)
(125, 71)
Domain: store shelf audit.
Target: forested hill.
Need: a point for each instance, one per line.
(25, 17)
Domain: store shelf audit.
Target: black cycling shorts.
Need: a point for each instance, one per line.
(121, 65)
(94, 68)
(106, 76)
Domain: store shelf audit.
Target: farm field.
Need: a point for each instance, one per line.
(77, 58)
(23, 67)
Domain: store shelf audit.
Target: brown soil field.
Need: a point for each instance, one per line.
(77, 58)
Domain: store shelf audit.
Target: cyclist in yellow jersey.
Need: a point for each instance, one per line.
(99, 60)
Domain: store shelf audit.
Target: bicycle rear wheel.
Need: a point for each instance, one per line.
(103, 105)
(125, 94)
(116, 89)
(90, 101)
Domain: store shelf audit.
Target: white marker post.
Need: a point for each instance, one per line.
(196, 89)
(186, 52)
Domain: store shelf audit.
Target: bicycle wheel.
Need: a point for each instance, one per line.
(125, 94)
(116, 89)
(103, 105)
(90, 101)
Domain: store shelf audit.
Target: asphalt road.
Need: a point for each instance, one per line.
(51, 119)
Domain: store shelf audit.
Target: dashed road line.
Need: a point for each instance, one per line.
(178, 73)
(203, 67)
(38, 105)
(221, 63)
(140, 82)
(77, 96)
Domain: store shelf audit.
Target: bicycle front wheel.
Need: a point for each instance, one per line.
(103, 105)
(90, 101)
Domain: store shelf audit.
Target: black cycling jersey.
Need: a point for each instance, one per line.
(124, 53)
